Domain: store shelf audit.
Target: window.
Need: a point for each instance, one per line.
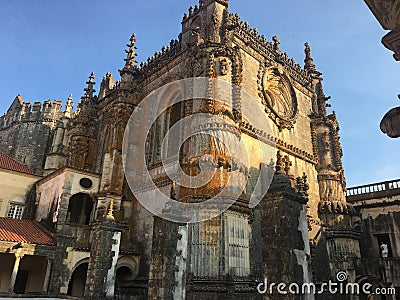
(15, 211)
(384, 245)
(80, 209)
(239, 244)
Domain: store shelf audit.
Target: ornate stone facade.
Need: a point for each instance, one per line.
(302, 230)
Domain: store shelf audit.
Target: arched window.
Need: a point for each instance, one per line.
(80, 209)
(161, 127)
(173, 116)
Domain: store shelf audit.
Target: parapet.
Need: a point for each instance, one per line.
(23, 112)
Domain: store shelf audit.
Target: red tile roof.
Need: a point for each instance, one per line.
(9, 163)
(15, 230)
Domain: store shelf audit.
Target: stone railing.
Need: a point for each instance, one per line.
(374, 187)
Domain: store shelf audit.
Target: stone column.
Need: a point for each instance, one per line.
(15, 271)
(47, 275)
(167, 279)
(103, 259)
(59, 271)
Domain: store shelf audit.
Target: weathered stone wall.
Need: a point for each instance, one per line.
(26, 131)
(285, 246)
(28, 143)
(103, 259)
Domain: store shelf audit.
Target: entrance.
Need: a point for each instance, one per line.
(76, 286)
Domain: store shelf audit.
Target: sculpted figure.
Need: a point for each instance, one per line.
(224, 66)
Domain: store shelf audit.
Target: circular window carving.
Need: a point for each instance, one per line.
(86, 183)
(279, 98)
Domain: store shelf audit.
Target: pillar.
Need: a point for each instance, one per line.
(167, 279)
(104, 253)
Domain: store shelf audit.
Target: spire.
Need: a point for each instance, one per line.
(130, 60)
(309, 65)
(321, 99)
(89, 90)
(68, 107)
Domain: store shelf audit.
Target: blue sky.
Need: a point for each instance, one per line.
(49, 47)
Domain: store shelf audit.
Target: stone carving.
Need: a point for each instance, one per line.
(321, 99)
(276, 44)
(223, 66)
(302, 186)
(79, 152)
(130, 60)
(392, 42)
(243, 32)
(214, 27)
(390, 123)
(387, 12)
(288, 164)
(280, 164)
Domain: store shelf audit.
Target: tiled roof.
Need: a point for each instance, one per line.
(9, 163)
(15, 230)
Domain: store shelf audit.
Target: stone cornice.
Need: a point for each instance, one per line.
(64, 170)
(386, 12)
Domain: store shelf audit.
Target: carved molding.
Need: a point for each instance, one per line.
(278, 143)
(390, 123)
(278, 96)
(251, 38)
(392, 42)
(387, 12)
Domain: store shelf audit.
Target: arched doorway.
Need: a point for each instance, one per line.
(80, 209)
(124, 274)
(76, 286)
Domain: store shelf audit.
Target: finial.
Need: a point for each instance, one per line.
(89, 90)
(172, 194)
(280, 165)
(302, 186)
(110, 216)
(287, 164)
(68, 107)
(308, 61)
(130, 60)
(276, 44)
(321, 99)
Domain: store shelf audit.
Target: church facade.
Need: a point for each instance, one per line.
(106, 244)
